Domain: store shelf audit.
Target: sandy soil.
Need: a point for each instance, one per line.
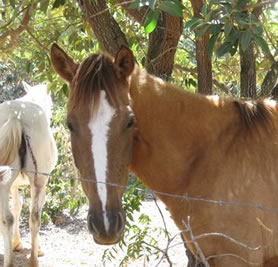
(70, 244)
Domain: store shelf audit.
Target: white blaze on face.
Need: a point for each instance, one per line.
(99, 127)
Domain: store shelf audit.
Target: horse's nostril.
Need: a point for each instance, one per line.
(120, 222)
(92, 228)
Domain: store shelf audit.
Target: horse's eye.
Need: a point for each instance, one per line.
(70, 127)
(130, 123)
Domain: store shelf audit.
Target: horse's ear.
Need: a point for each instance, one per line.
(26, 86)
(124, 62)
(62, 63)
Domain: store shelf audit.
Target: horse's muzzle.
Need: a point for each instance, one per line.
(107, 227)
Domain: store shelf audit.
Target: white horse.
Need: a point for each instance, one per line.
(26, 144)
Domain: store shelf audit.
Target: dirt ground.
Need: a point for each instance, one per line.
(70, 244)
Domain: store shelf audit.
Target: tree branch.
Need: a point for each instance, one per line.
(220, 85)
(37, 40)
(104, 26)
(138, 15)
(13, 34)
(195, 243)
(260, 4)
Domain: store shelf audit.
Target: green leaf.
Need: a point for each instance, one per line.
(241, 3)
(211, 44)
(262, 43)
(171, 7)
(28, 66)
(44, 5)
(204, 10)
(135, 4)
(233, 36)
(227, 28)
(202, 30)
(151, 21)
(65, 89)
(228, 8)
(215, 28)
(58, 3)
(194, 22)
(12, 3)
(233, 49)
(245, 40)
(152, 4)
(258, 30)
(224, 48)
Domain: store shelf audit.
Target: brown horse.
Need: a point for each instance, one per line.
(200, 149)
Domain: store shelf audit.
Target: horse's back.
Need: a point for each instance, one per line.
(36, 130)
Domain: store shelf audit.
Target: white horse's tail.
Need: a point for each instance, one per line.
(10, 140)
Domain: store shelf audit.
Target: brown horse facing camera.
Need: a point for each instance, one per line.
(122, 118)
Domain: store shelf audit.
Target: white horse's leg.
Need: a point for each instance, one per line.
(16, 210)
(6, 217)
(38, 187)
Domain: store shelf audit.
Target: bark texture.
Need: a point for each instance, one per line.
(162, 48)
(248, 72)
(248, 65)
(270, 84)
(204, 66)
(163, 41)
(104, 26)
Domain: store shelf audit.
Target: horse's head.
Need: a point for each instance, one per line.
(39, 95)
(100, 120)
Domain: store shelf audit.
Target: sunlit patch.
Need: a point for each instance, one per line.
(270, 102)
(215, 99)
(99, 127)
(157, 85)
(250, 104)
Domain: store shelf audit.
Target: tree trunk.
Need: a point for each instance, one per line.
(163, 41)
(270, 83)
(105, 28)
(248, 72)
(162, 48)
(204, 66)
(248, 66)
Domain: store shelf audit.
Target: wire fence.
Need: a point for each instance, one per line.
(219, 202)
(186, 223)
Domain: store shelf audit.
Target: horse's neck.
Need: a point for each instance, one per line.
(172, 125)
(44, 102)
(158, 105)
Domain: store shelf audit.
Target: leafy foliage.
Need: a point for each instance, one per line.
(138, 240)
(61, 200)
(172, 7)
(228, 21)
(10, 83)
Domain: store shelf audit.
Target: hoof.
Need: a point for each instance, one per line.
(40, 253)
(33, 262)
(17, 247)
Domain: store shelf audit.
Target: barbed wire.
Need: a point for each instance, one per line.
(158, 193)
(193, 239)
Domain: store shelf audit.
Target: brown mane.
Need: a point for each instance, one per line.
(94, 74)
(254, 114)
